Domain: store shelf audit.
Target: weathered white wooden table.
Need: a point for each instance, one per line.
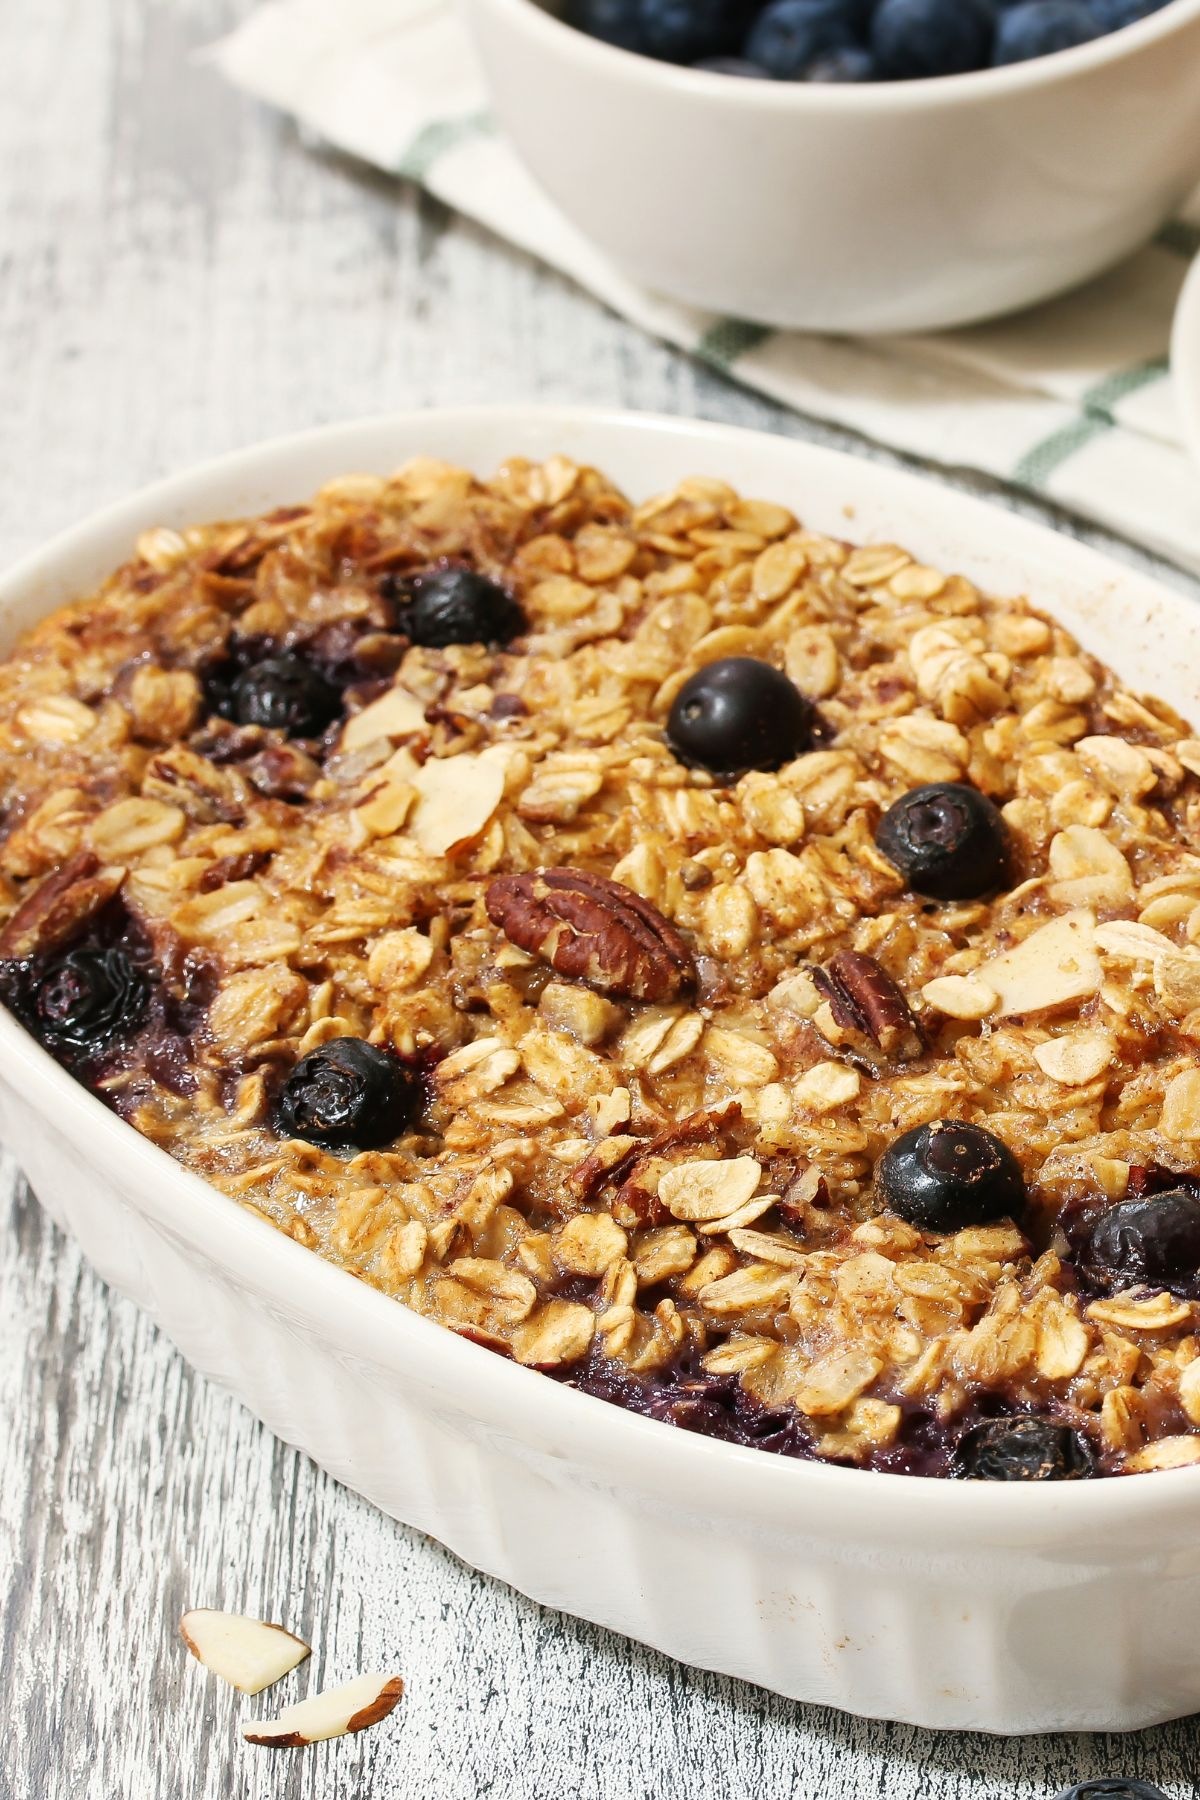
(178, 275)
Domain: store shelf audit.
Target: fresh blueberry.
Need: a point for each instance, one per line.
(1112, 15)
(1039, 28)
(682, 31)
(790, 35)
(1149, 1242)
(732, 65)
(1024, 1449)
(851, 64)
(915, 38)
(739, 714)
(459, 606)
(616, 22)
(1115, 1790)
(949, 1175)
(88, 998)
(348, 1095)
(284, 693)
(947, 840)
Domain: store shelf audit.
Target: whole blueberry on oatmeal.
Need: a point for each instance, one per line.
(284, 693)
(458, 606)
(739, 713)
(87, 998)
(1023, 1449)
(946, 839)
(347, 1095)
(1147, 1242)
(747, 977)
(951, 1174)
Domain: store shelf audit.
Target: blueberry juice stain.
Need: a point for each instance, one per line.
(993, 1438)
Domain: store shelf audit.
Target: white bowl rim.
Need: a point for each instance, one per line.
(1185, 362)
(735, 1481)
(976, 84)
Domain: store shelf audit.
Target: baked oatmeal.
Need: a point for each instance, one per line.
(748, 977)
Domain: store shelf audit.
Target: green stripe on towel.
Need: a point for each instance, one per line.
(1096, 418)
(1181, 237)
(1039, 464)
(434, 140)
(1117, 387)
(729, 339)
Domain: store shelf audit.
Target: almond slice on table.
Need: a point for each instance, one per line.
(335, 1713)
(248, 1653)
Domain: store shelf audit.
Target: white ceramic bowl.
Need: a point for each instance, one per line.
(947, 1604)
(898, 206)
(1185, 364)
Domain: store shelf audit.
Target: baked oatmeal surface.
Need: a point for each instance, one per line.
(654, 1028)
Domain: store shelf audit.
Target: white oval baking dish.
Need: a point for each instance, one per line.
(944, 1604)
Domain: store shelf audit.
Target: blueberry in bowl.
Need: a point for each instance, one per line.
(790, 39)
(914, 39)
(852, 40)
(1041, 27)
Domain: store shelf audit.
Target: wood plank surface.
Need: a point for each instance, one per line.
(180, 275)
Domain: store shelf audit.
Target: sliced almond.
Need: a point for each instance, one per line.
(1076, 1060)
(248, 1653)
(457, 795)
(395, 714)
(709, 1190)
(334, 1713)
(1052, 967)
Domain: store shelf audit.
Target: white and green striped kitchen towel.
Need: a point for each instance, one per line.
(1072, 400)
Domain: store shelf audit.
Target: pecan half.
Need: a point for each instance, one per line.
(57, 910)
(593, 929)
(865, 1002)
